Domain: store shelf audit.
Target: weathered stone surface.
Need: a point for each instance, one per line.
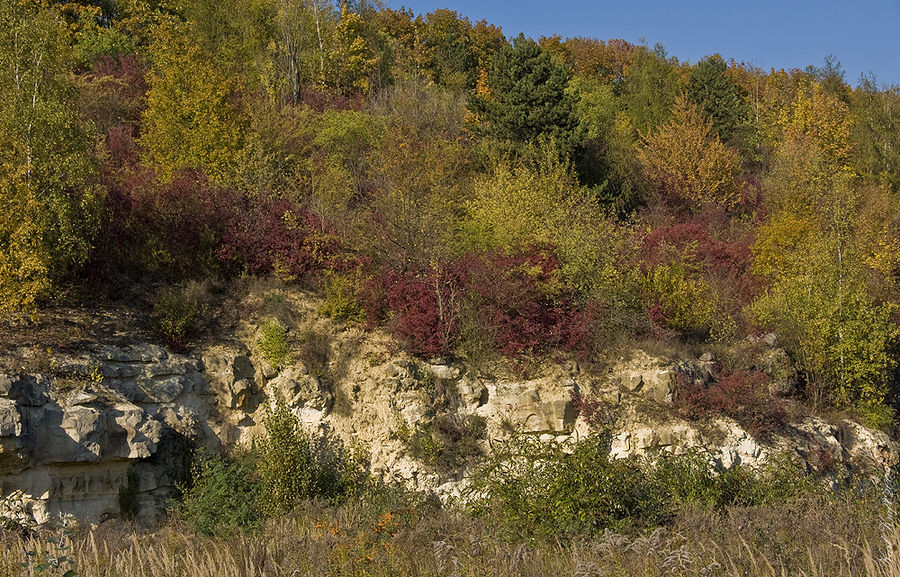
(136, 353)
(542, 405)
(70, 449)
(304, 392)
(868, 447)
(445, 372)
(650, 377)
(147, 389)
(25, 390)
(232, 376)
(10, 420)
(473, 393)
(239, 394)
(413, 406)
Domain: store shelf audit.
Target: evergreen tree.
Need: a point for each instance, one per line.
(719, 98)
(526, 97)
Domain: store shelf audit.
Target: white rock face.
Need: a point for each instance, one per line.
(114, 417)
(70, 451)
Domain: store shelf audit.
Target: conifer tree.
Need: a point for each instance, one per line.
(526, 97)
(719, 98)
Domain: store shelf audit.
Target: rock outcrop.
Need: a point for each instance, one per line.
(110, 429)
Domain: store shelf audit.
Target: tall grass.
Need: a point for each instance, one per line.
(812, 538)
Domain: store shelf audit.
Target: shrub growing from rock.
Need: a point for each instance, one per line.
(180, 313)
(295, 465)
(556, 490)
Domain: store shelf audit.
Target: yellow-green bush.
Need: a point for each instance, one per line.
(295, 465)
(273, 343)
(50, 200)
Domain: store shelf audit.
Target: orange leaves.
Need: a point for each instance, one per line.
(686, 159)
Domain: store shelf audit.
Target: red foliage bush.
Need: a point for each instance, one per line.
(426, 308)
(513, 294)
(741, 395)
(720, 257)
(279, 235)
(719, 251)
(597, 412)
(113, 94)
(168, 230)
(517, 298)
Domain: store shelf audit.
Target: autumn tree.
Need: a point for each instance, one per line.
(49, 197)
(819, 303)
(608, 158)
(686, 159)
(192, 119)
(607, 62)
(421, 176)
(537, 201)
(651, 85)
(876, 132)
(356, 58)
(814, 250)
(447, 47)
(234, 35)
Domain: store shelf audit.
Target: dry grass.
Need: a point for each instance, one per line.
(811, 539)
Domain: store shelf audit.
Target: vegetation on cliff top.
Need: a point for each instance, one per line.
(468, 191)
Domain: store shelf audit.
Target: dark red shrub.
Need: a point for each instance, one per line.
(167, 230)
(516, 294)
(123, 150)
(598, 413)
(114, 93)
(281, 236)
(426, 308)
(714, 249)
(516, 299)
(718, 256)
(742, 395)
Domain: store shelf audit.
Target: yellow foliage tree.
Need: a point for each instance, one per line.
(540, 202)
(823, 119)
(685, 157)
(820, 247)
(50, 201)
(354, 60)
(191, 120)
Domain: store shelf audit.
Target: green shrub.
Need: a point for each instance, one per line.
(553, 489)
(448, 442)
(180, 313)
(876, 416)
(531, 487)
(223, 496)
(340, 299)
(273, 343)
(294, 465)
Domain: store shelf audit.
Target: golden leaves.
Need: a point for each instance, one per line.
(684, 157)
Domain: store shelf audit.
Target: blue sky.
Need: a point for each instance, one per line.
(864, 35)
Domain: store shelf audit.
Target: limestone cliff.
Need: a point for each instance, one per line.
(84, 431)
